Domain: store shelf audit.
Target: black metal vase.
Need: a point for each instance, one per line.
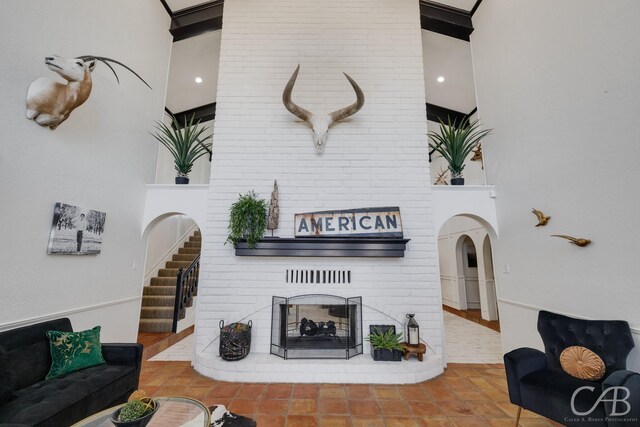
(457, 181)
(182, 179)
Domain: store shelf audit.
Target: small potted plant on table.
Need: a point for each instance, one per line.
(385, 343)
(455, 142)
(137, 412)
(185, 143)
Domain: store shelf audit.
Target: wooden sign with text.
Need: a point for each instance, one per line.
(382, 222)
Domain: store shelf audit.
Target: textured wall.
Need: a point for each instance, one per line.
(562, 95)
(376, 158)
(100, 158)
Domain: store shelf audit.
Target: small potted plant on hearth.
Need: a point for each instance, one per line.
(385, 343)
(455, 142)
(247, 219)
(185, 143)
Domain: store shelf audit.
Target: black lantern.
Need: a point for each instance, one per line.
(413, 331)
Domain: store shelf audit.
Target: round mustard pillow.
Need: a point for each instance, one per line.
(580, 362)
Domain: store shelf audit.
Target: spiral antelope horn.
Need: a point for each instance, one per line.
(106, 61)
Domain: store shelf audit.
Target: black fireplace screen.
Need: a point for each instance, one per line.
(316, 327)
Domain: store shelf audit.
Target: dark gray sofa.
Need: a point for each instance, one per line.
(26, 398)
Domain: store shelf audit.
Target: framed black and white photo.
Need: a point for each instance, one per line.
(76, 231)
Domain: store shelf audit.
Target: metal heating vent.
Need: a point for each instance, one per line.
(319, 276)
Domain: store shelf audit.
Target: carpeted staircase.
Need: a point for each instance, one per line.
(156, 314)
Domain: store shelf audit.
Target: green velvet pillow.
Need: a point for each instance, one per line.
(72, 351)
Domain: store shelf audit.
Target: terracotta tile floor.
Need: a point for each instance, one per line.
(465, 395)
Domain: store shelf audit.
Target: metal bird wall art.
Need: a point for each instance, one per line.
(542, 218)
(578, 241)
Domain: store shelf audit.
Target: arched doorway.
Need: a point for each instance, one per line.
(173, 250)
(467, 260)
(471, 325)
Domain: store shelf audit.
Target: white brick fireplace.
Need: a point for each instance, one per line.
(378, 157)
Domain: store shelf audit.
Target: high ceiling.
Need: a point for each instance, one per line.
(459, 4)
(190, 58)
(444, 56)
(182, 4)
(176, 5)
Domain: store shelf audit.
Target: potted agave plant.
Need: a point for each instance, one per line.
(386, 345)
(455, 142)
(185, 143)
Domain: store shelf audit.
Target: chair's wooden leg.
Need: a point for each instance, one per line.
(518, 415)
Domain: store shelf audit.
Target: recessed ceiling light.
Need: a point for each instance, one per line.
(440, 79)
(198, 80)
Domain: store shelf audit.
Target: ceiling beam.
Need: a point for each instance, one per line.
(203, 113)
(196, 20)
(436, 113)
(446, 20)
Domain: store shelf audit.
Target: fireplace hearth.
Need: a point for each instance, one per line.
(336, 332)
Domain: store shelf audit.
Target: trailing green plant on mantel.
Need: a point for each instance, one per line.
(455, 143)
(385, 340)
(185, 143)
(247, 219)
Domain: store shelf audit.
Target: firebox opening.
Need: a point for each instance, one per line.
(316, 326)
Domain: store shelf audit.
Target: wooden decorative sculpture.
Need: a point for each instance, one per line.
(542, 218)
(50, 103)
(274, 209)
(578, 241)
(320, 124)
(442, 177)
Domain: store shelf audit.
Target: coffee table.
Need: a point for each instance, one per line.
(173, 411)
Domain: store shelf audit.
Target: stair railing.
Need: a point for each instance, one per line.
(186, 287)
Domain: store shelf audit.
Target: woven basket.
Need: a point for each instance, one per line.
(235, 344)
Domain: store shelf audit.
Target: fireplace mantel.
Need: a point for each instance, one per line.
(325, 247)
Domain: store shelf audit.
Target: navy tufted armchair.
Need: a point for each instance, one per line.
(537, 382)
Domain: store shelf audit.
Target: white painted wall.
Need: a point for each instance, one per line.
(376, 158)
(100, 158)
(562, 95)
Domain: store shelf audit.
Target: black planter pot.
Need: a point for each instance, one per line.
(182, 180)
(384, 355)
(140, 422)
(457, 181)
